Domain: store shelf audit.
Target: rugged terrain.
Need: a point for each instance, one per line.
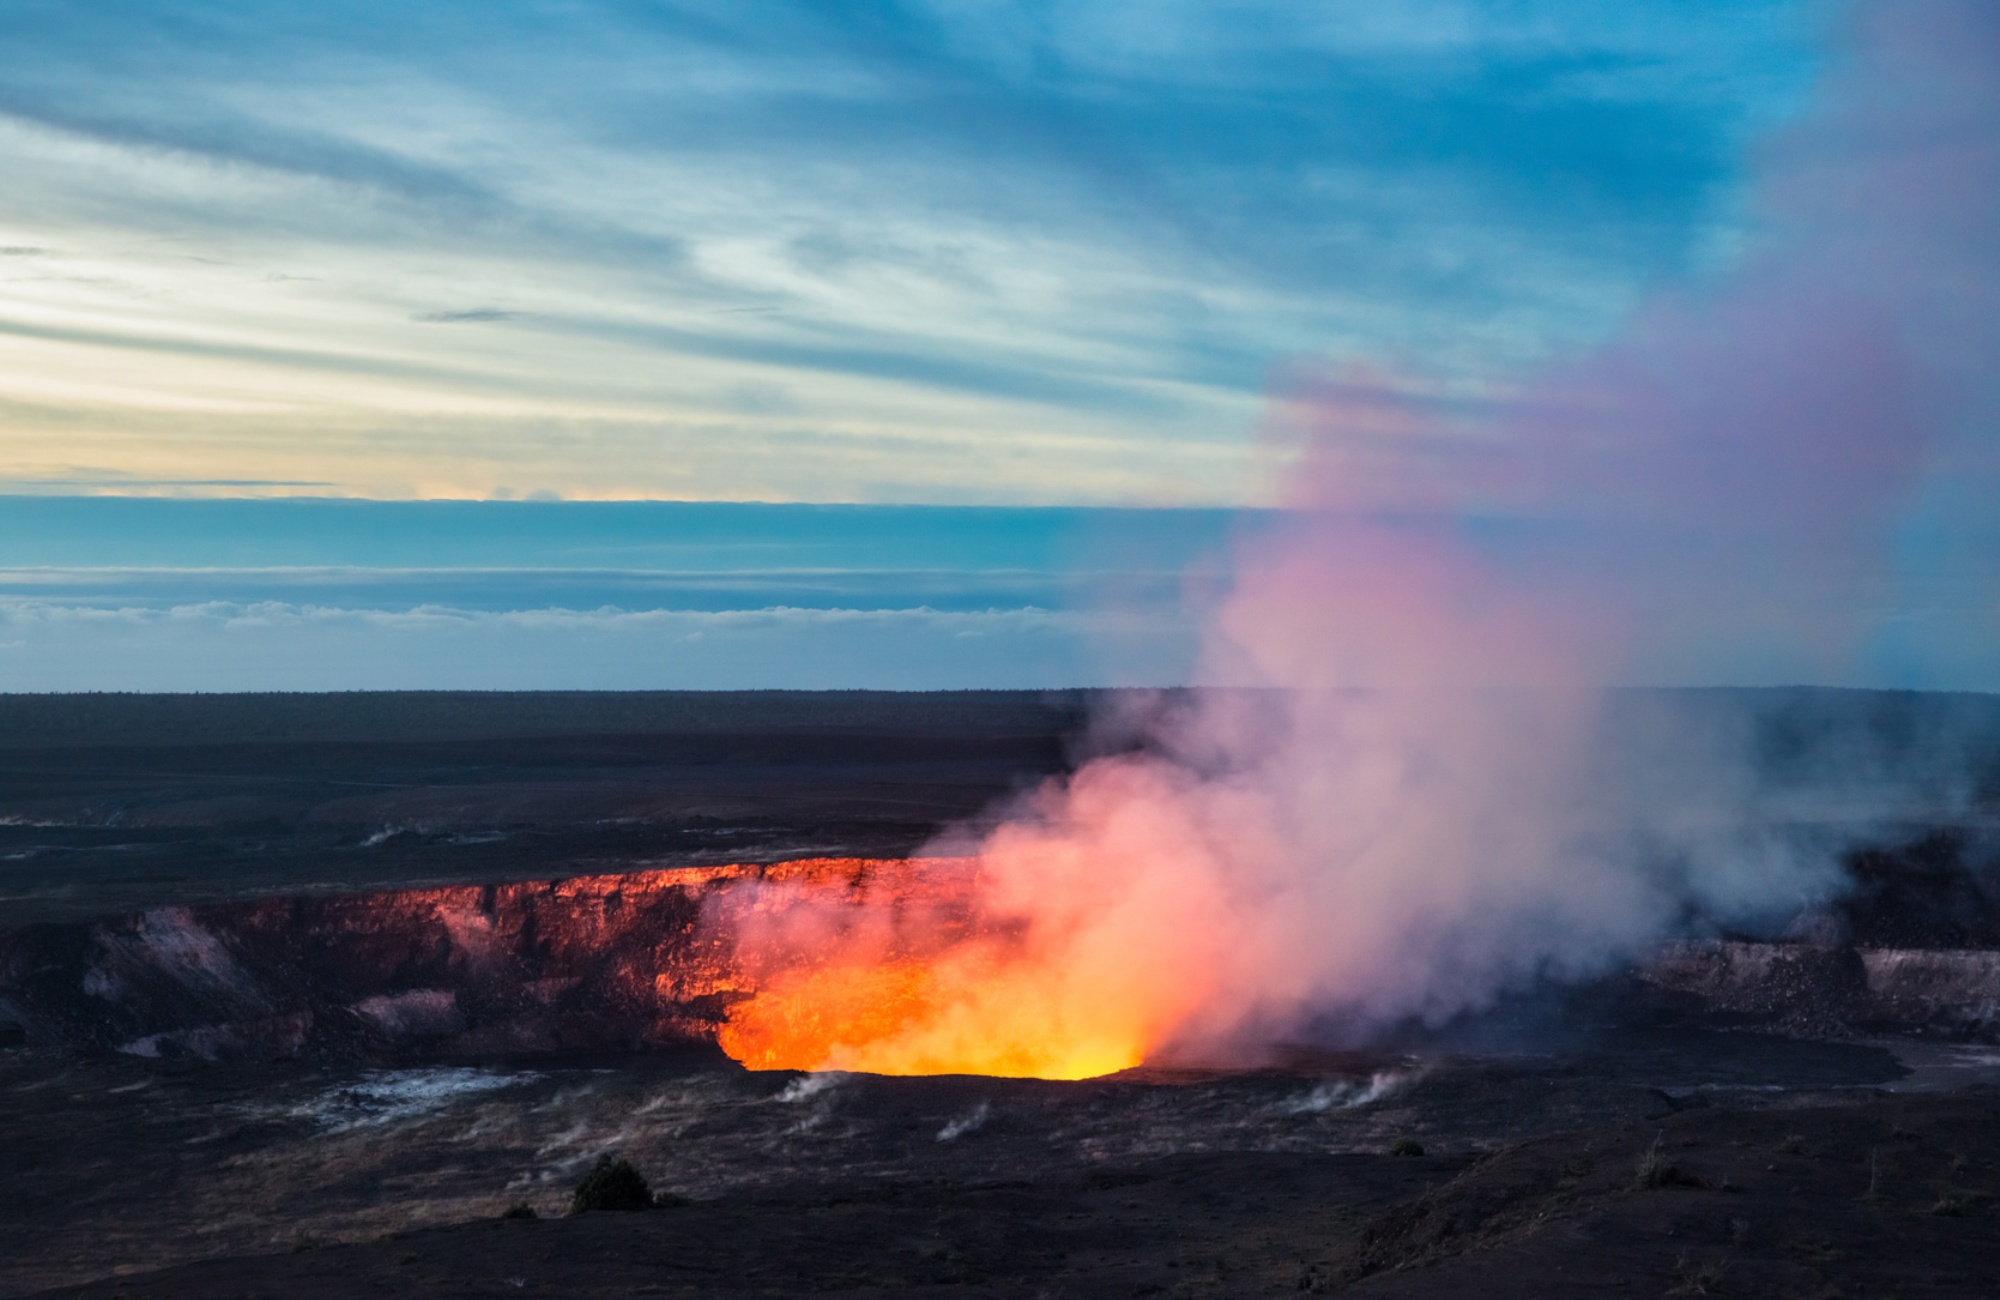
(298, 994)
(1688, 1162)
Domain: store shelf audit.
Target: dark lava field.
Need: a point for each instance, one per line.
(300, 995)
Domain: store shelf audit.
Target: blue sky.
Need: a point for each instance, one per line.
(920, 252)
(1025, 290)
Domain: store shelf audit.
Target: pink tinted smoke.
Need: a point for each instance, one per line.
(1402, 819)
(1413, 828)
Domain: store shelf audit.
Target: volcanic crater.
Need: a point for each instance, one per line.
(298, 994)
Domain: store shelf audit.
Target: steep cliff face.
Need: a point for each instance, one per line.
(603, 962)
(1836, 991)
(658, 958)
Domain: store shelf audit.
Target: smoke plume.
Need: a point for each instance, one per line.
(1412, 805)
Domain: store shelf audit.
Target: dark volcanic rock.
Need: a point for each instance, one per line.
(376, 963)
(611, 1185)
(1814, 1196)
(592, 964)
(1813, 991)
(1939, 890)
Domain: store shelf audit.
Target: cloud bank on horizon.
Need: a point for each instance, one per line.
(900, 251)
(126, 593)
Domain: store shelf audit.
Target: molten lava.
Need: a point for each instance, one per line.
(902, 968)
(1115, 922)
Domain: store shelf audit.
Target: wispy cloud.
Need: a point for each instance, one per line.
(1041, 252)
(472, 315)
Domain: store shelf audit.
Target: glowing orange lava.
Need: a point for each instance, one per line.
(800, 1019)
(904, 968)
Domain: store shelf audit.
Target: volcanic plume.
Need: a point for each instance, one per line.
(1398, 808)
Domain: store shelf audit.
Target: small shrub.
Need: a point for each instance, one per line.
(1956, 1202)
(611, 1185)
(1698, 1277)
(1655, 1170)
(670, 1200)
(1651, 1164)
(1406, 1146)
(519, 1210)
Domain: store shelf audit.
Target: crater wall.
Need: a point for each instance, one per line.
(608, 962)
